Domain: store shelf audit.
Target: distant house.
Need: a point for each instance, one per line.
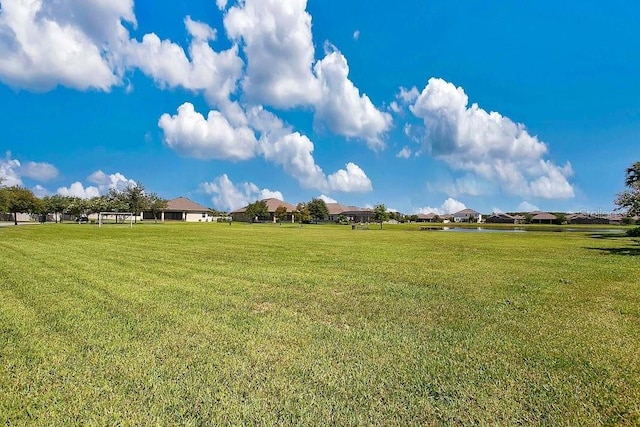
(272, 205)
(580, 218)
(362, 215)
(182, 209)
(501, 218)
(335, 211)
(543, 218)
(466, 215)
(618, 219)
(430, 217)
(352, 213)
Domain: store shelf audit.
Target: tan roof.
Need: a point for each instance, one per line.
(183, 204)
(335, 208)
(430, 215)
(544, 216)
(272, 205)
(466, 212)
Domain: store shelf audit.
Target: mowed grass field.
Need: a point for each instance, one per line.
(206, 324)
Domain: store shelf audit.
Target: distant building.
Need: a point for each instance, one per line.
(466, 215)
(501, 218)
(543, 218)
(182, 209)
(272, 205)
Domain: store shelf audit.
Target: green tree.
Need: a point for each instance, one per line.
(302, 213)
(257, 210)
(19, 200)
(629, 200)
(156, 204)
(281, 213)
(56, 205)
(77, 207)
(380, 213)
(136, 199)
(318, 209)
(561, 218)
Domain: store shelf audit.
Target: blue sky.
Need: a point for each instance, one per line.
(424, 106)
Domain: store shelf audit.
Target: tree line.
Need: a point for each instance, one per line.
(133, 198)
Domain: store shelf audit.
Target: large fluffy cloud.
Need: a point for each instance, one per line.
(277, 41)
(449, 206)
(282, 72)
(191, 134)
(39, 171)
(106, 182)
(84, 44)
(45, 43)
(78, 190)
(9, 171)
(12, 171)
(487, 144)
(228, 196)
(215, 137)
(203, 70)
(103, 183)
(342, 108)
(351, 179)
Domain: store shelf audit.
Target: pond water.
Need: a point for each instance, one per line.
(521, 230)
(485, 230)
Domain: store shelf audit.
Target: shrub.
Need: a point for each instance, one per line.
(634, 232)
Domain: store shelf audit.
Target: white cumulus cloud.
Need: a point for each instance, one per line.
(327, 199)
(189, 133)
(228, 196)
(46, 43)
(351, 179)
(449, 206)
(78, 190)
(39, 171)
(9, 171)
(487, 144)
(341, 107)
(12, 171)
(106, 182)
(40, 191)
(525, 206)
(202, 70)
(282, 71)
(276, 38)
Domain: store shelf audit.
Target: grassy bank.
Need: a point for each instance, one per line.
(262, 324)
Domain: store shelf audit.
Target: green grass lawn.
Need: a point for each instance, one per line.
(197, 324)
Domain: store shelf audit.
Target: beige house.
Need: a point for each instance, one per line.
(272, 205)
(182, 209)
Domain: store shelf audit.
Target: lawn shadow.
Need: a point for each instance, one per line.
(631, 248)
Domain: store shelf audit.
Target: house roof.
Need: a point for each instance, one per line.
(272, 205)
(502, 215)
(335, 208)
(544, 216)
(184, 205)
(466, 212)
(430, 215)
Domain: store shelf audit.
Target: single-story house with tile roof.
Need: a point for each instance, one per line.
(430, 217)
(543, 218)
(466, 215)
(335, 211)
(356, 214)
(272, 205)
(182, 209)
(581, 218)
(501, 218)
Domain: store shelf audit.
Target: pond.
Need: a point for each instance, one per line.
(522, 230)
